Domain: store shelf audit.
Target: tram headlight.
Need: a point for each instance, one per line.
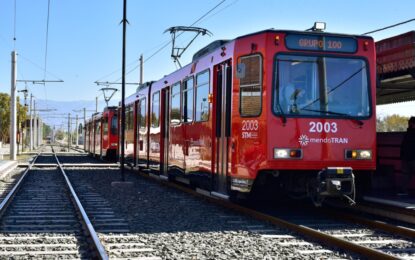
(284, 153)
(358, 154)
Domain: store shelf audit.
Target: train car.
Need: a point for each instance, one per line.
(109, 139)
(88, 136)
(101, 134)
(276, 110)
(137, 127)
(97, 134)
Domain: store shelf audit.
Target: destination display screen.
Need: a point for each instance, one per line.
(320, 43)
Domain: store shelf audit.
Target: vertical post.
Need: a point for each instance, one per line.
(124, 33)
(77, 130)
(35, 133)
(141, 69)
(69, 130)
(34, 125)
(13, 110)
(22, 136)
(39, 132)
(31, 123)
(96, 104)
(84, 129)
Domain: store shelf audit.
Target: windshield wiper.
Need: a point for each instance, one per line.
(359, 122)
(283, 116)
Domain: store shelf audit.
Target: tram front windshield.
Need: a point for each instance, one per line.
(321, 86)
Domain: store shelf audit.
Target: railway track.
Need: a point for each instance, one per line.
(363, 238)
(362, 235)
(112, 229)
(39, 220)
(140, 222)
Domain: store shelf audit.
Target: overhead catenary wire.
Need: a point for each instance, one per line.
(47, 40)
(39, 67)
(390, 26)
(46, 52)
(170, 41)
(167, 43)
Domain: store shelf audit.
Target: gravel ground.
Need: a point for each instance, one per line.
(179, 226)
(7, 183)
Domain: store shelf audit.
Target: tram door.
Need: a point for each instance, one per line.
(137, 133)
(223, 125)
(165, 127)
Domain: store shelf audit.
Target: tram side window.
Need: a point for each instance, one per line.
(114, 125)
(175, 104)
(105, 126)
(202, 93)
(129, 118)
(143, 109)
(97, 128)
(250, 81)
(187, 109)
(155, 110)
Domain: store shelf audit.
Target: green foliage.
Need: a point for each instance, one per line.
(5, 115)
(392, 123)
(47, 131)
(59, 135)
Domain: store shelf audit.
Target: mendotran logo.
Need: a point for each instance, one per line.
(304, 140)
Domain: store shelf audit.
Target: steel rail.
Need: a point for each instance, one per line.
(300, 229)
(8, 199)
(395, 230)
(91, 165)
(102, 254)
(381, 210)
(388, 211)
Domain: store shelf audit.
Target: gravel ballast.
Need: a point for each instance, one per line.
(179, 226)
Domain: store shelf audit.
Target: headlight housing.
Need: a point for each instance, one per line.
(288, 153)
(364, 154)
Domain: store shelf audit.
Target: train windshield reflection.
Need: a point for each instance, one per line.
(321, 86)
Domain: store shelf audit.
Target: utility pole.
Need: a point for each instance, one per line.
(77, 130)
(96, 104)
(35, 128)
(141, 69)
(84, 128)
(39, 132)
(124, 36)
(31, 123)
(13, 112)
(69, 130)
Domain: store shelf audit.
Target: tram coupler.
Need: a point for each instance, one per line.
(336, 182)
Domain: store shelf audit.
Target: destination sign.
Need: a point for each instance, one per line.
(320, 43)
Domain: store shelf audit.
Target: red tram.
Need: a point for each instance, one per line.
(101, 134)
(277, 110)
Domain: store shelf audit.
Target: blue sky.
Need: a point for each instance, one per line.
(84, 42)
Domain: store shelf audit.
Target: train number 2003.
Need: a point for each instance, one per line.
(318, 127)
(250, 125)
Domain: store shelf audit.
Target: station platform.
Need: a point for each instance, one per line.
(6, 167)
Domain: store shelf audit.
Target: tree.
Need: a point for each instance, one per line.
(392, 123)
(47, 131)
(60, 135)
(5, 115)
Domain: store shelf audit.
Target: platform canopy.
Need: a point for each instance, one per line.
(396, 69)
